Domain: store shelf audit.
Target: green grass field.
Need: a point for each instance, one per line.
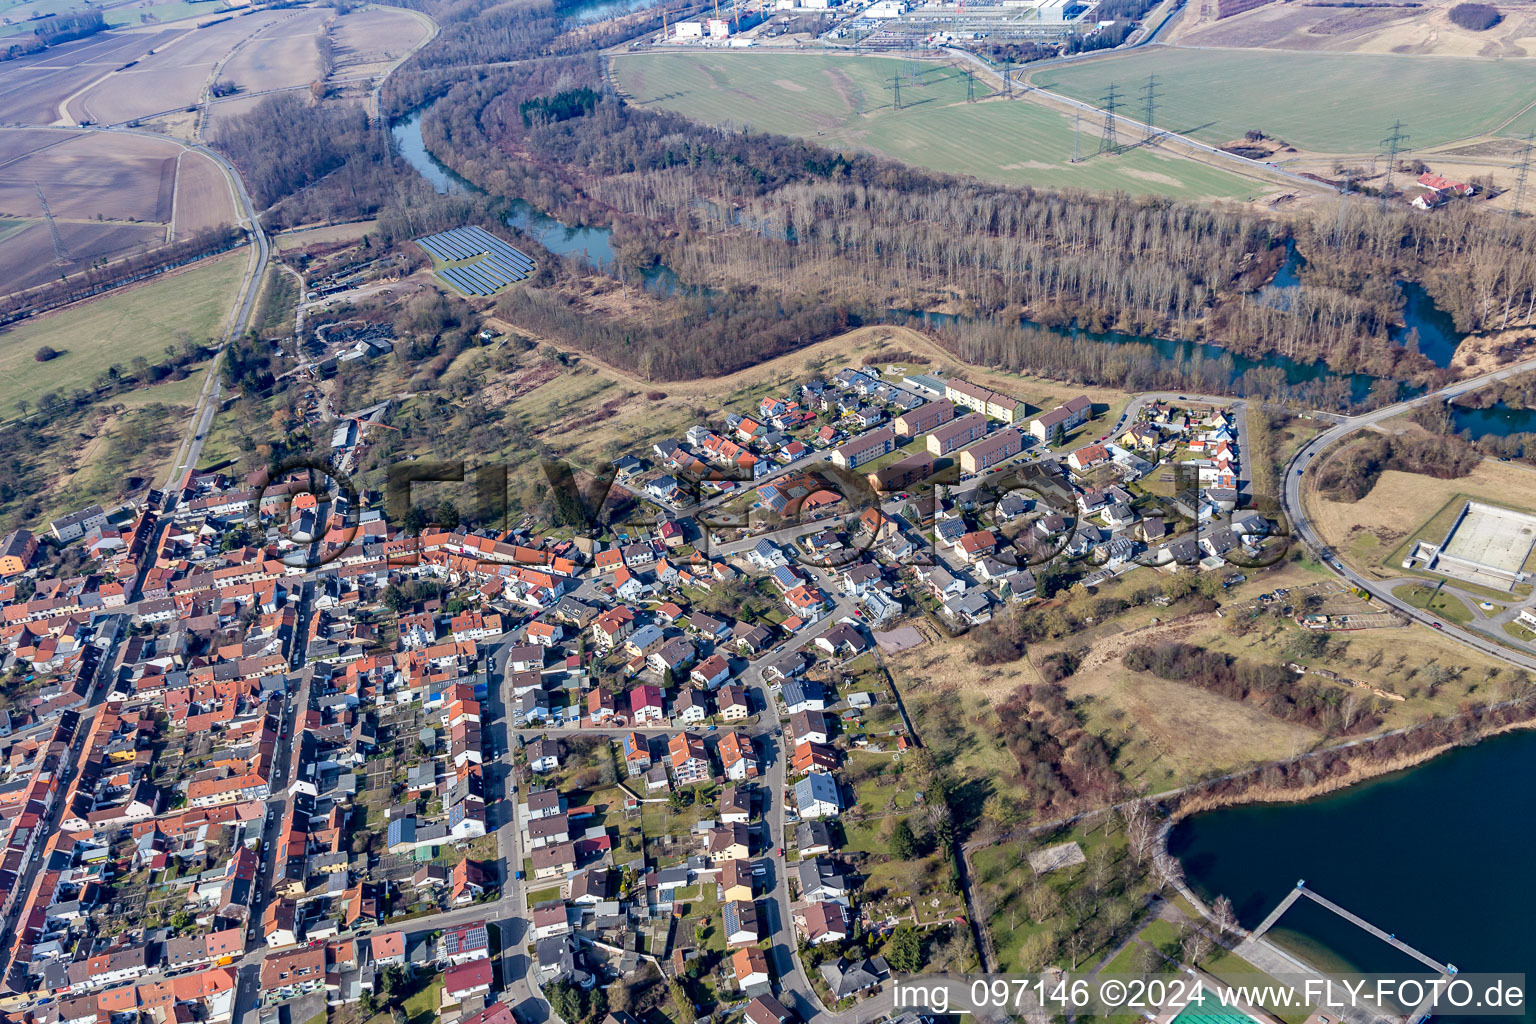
(1322, 102)
(139, 321)
(1432, 599)
(1521, 126)
(846, 102)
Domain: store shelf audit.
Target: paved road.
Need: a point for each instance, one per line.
(1304, 529)
(191, 447)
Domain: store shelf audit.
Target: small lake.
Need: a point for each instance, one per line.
(1433, 327)
(1435, 855)
(1498, 420)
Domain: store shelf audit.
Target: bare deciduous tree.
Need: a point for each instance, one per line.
(1222, 914)
(1139, 824)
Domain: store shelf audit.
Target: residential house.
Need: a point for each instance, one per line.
(711, 672)
(741, 924)
(689, 759)
(735, 805)
(738, 758)
(750, 967)
(803, 695)
(691, 707)
(645, 705)
(816, 796)
(733, 704)
(637, 754)
(466, 980)
(544, 755)
(821, 922)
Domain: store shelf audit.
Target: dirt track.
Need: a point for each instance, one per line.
(1112, 648)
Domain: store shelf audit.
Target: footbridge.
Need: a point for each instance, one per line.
(1255, 938)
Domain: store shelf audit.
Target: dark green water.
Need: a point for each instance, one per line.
(1439, 855)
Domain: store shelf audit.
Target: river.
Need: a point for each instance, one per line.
(1432, 328)
(1499, 420)
(594, 246)
(1431, 855)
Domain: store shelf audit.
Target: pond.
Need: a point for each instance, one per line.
(1425, 323)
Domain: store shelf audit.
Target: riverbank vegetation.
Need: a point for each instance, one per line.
(1351, 471)
(798, 242)
(1517, 392)
(732, 209)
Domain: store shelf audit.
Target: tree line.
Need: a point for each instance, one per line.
(55, 29)
(98, 278)
(286, 144)
(1062, 766)
(1339, 766)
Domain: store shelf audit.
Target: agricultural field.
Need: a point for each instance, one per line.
(111, 195)
(284, 55)
(138, 321)
(1411, 29)
(176, 75)
(847, 102)
(33, 87)
(1216, 95)
(368, 41)
(88, 175)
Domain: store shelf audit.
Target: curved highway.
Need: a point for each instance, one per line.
(1382, 591)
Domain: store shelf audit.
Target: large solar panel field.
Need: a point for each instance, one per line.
(475, 261)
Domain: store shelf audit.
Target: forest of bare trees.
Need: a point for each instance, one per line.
(728, 208)
(287, 145)
(787, 240)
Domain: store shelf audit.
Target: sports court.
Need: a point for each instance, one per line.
(1491, 538)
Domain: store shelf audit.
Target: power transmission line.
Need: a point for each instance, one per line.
(61, 256)
(1394, 144)
(1525, 170)
(1149, 91)
(1107, 142)
(1008, 78)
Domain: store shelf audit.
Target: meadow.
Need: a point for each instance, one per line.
(1321, 102)
(138, 321)
(848, 103)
